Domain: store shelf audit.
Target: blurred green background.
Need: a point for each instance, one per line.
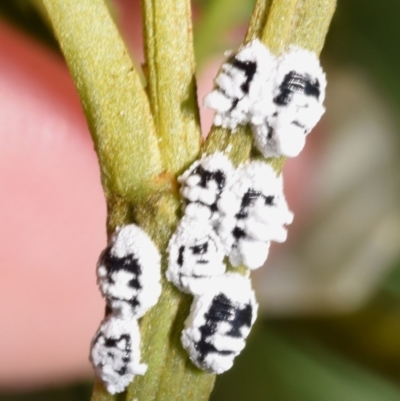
(331, 336)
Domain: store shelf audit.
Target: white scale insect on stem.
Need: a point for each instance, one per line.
(219, 322)
(280, 97)
(128, 275)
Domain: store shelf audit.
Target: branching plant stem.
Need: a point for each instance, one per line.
(143, 140)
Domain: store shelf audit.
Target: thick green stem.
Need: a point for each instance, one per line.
(302, 23)
(172, 92)
(114, 101)
(139, 182)
(258, 20)
(171, 80)
(170, 376)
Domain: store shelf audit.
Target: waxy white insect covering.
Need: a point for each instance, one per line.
(280, 97)
(298, 96)
(253, 213)
(115, 353)
(195, 253)
(229, 212)
(202, 185)
(219, 322)
(239, 95)
(128, 272)
(128, 275)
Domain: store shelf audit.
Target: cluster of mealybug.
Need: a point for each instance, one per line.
(281, 97)
(251, 209)
(240, 87)
(228, 212)
(241, 211)
(195, 250)
(128, 275)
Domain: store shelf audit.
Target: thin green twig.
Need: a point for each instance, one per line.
(171, 80)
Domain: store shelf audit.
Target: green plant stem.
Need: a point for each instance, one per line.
(302, 23)
(171, 80)
(113, 99)
(171, 376)
(170, 73)
(138, 181)
(258, 20)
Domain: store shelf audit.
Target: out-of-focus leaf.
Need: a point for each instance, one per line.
(26, 15)
(282, 367)
(31, 17)
(349, 242)
(392, 283)
(370, 337)
(217, 18)
(367, 33)
(76, 392)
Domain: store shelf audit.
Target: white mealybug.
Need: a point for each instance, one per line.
(115, 353)
(243, 87)
(298, 96)
(195, 253)
(202, 184)
(253, 213)
(128, 272)
(219, 322)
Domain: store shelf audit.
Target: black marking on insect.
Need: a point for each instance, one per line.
(248, 67)
(221, 310)
(180, 257)
(127, 263)
(296, 83)
(206, 176)
(108, 310)
(270, 131)
(200, 249)
(213, 207)
(113, 344)
(297, 124)
(248, 200)
(235, 102)
(133, 301)
(238, 233)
